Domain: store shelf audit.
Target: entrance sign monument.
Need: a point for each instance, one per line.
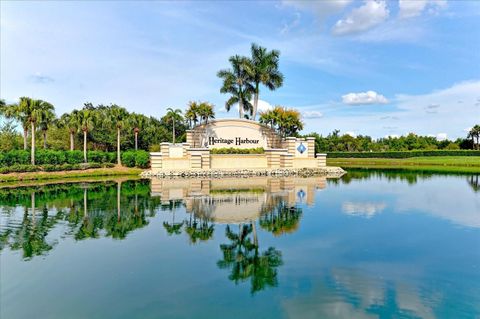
(196, 153)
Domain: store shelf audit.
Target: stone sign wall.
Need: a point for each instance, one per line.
(233, 133)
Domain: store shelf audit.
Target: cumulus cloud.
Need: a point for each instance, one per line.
(363, 18)
(369, 97)
(351, 133)
(364, 209)
(441, 136)
(410, 9)
(312, 114)
(321, 9)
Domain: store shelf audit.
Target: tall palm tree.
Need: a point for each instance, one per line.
(85, 119)
(236, 81)
(174, 116)
(13, 111)
(138, 122)
(118, 116)
(264, 71)
(69, 120)
(205, 111)
(191, 114)
(474, 133)
(32, 110)
(46, 119)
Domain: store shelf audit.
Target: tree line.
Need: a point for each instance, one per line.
(336, 142)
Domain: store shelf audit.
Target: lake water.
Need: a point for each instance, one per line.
(367, 245)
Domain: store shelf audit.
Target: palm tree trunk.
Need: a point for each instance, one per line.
(85, 213)
(173, 131)
(240, 108)
(119, 162)
(25, 137)
(255, 102)
(254, 228)
(32, 153)
(44, 139)
(85, 146)
(71, 141)
(136, 141)
(119, 189)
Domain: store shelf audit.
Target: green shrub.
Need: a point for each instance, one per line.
(74, 157)
(49, 157)
(14, 157)
(101, 157)
(233, 150)
(128, 158)
(406, 154)
(142, 159)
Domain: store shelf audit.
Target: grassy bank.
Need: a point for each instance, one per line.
(69, 175)
(454, 164)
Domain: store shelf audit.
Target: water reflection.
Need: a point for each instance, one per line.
(370, 245)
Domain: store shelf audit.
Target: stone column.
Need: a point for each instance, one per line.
(311, 146)
(290, 145)
(322, 159)
(165, 149)
(156, 161)
(286, 160)
(189, 134)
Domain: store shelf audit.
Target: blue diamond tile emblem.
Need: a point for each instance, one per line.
(301, 148)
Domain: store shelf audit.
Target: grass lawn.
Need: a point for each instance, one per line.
(454, 164)
(68, 175)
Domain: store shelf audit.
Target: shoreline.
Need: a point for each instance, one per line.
(328, 171)
(67, 175)
(420, 164)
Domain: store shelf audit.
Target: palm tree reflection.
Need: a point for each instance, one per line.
(245, 262)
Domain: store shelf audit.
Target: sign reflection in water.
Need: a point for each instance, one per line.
(370, 245)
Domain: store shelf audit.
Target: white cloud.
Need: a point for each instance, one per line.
(352, 134)
(321, 9)
(312, 114)
(410, 9)
(369, 97)
(441, 136)
(369, 15)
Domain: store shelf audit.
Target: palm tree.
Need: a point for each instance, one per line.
(191, 114)
(118, 115)
(174, 116)
(33, 110)
(46, 119)
(236, 81)
(13, 111)
(69, 120)
(474, 133)
(287, 122)
(85, 119)
(264, 71)
(138, 122)
(205, 111)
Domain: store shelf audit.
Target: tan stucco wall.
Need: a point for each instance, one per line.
(238, 161)
(305, 162)
(175, 163)
(230, 129)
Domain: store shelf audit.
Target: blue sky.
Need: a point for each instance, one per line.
(366, 67)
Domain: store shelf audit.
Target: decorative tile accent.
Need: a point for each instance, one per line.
(301, 148)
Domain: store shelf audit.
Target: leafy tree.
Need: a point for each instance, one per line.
(287, 122)
(192, 113)
(46, 120)
(236, 82)
(138, 122)
(69, 120)
(264, 71)
(15, 112)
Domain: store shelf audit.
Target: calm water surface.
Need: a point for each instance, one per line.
(368, 245)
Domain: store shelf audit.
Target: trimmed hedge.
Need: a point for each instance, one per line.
(20, 168)
(232, 150)
(50, 158)
(136, 158)
(406, 154)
